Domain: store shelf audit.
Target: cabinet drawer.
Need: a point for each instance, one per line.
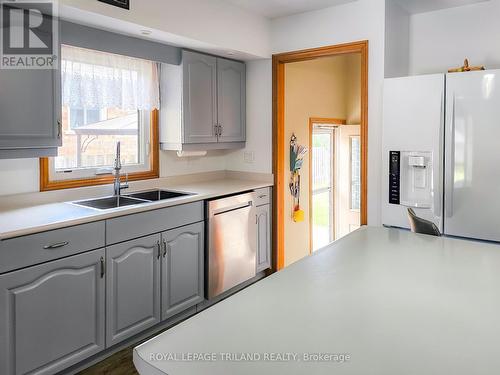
(137, 225)
(262, 196)
(42, 247)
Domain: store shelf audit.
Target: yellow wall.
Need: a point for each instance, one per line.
(327, 87)
(353, 87)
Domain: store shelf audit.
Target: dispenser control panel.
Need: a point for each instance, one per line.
(394, 176)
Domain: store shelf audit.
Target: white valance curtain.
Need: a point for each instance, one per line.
(94, 79)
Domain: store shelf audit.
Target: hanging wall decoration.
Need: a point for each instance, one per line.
(297, 153)
(125, 4)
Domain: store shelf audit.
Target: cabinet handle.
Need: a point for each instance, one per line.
(220, 130)
(59, 128)
(103, 266)
(216, 130)
(164, 248)
(262, 196)
(159, 249)
(56, 245)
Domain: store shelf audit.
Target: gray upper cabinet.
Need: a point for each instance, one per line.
(263, 237)
(30, 113)
(183, 269)
(133, 287)
(199, 97)
(52, 315)
(231, 94)
(203, 103)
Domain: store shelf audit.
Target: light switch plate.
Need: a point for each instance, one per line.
(249, 156)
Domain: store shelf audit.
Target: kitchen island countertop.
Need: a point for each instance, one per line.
(393, 301)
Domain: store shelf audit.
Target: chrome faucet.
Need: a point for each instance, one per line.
(117, 185)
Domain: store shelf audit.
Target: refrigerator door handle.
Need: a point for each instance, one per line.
(437, 192)
(450, 164)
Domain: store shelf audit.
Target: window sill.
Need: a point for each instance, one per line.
(46, 185)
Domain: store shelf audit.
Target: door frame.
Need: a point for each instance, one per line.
(332, 122)
(279, 147)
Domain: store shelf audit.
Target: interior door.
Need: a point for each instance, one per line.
(472, 159)
(322, 186)
(348, 166)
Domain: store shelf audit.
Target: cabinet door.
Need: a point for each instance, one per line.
(52, 315)
(29, 109)
(231, 82)
(133, 287)
(182, 269)
(263, 237)
(199, 97)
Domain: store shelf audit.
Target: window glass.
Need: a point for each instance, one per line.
(106, 98)
(90, 136)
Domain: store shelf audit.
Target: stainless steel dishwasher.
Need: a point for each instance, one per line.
(231, 242)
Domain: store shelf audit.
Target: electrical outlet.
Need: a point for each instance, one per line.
(249, 157)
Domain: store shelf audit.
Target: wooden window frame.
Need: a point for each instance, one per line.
(279, 147)
(154, 162)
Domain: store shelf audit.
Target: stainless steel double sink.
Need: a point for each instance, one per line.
(140, 197)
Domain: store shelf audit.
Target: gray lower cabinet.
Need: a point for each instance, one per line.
(183, 268)
(263, 237)
(52, 315)
(132, 287)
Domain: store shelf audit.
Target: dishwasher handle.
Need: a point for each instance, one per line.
(231, 208)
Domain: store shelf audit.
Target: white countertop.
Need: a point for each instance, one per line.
(26, 220)
(398, 303)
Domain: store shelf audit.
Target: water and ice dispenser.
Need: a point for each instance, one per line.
(410, 178)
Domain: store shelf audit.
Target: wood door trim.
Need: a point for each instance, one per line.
(154, 162)
(312, 121)
(278, 82)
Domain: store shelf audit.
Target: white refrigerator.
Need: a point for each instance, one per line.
(441, 152)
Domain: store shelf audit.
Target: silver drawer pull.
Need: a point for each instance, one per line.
(262, 196)
(56, 245)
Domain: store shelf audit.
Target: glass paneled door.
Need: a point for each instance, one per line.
(322, 189)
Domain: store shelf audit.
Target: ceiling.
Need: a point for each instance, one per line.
(281, 8)
(422, 6)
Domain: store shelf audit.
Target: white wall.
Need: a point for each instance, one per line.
(442, 39)
(214, 23)
(19, 176)
(172, 165)
(363, 19)
(397, 40)
(259, 121)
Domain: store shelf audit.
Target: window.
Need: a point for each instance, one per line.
(106, 98)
